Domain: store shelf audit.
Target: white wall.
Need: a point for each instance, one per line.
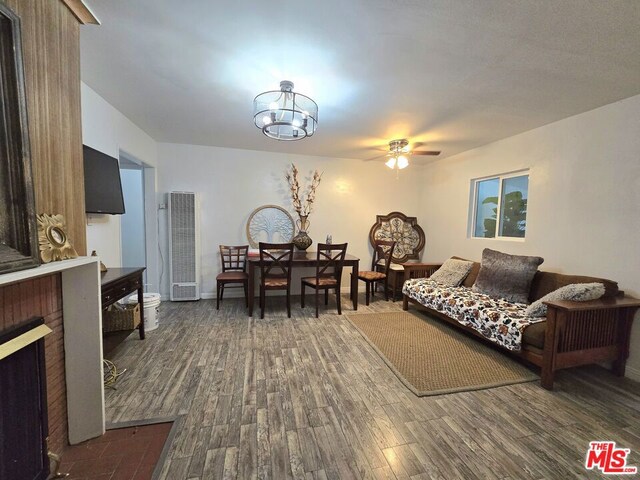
(584, 198)
(107, 130)
(233, 182)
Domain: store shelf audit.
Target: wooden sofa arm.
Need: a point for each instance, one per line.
(600, 304)
(578, 333)
(419, 270)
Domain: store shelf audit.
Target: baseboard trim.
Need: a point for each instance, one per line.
(239, 294)
(632, 373)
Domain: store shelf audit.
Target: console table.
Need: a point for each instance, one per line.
(117, 283)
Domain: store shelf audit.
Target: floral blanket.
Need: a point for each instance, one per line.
(500, 321)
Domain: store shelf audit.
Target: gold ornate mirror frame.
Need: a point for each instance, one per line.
(53, 240)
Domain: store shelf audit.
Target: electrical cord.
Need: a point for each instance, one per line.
(110, 373)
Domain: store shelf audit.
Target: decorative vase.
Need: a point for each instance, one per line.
(302, 241)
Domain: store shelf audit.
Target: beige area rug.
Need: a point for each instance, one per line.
(433, 358)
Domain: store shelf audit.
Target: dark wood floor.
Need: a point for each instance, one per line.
(308, 398)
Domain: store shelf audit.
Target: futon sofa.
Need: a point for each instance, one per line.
(572, 334)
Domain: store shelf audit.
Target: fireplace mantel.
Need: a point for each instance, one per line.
(82, 320)
(46, 269)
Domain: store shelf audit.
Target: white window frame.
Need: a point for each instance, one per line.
(474, 205)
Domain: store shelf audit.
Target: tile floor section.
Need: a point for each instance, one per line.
(129, 453)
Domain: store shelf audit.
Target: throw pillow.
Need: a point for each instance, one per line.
(452, 272)
(506, 276)
(577, 292)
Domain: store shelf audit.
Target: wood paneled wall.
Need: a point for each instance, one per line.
(51, 52)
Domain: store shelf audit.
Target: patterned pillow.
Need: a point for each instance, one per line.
(577, 292)
(452, 272)
(506, 276)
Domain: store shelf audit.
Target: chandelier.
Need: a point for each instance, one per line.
(284, 114)
(398, 150)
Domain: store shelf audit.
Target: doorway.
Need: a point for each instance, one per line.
(132, 223)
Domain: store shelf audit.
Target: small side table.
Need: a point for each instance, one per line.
(396, 277)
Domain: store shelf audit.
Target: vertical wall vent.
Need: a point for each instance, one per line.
(184, 246)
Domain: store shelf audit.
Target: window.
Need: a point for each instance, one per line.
(499, 208)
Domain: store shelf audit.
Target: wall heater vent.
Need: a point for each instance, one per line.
(184, 246)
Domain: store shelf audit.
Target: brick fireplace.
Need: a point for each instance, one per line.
(42, 297)
(66, 295)
(23, 401)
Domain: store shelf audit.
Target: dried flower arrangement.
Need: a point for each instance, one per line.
(302, 206)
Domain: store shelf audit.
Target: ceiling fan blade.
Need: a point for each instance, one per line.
(380, 149)
(426, 152)
(377, 157)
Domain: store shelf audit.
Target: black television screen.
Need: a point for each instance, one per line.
(102, 185)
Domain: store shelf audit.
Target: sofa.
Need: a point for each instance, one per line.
(572, 334)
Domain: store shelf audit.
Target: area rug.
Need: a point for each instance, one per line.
(433, 358)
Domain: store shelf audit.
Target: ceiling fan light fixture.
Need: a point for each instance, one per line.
(284, 114)
(398, 153)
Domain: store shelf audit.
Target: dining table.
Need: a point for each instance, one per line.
(302, 259)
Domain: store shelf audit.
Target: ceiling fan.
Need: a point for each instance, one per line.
(399, 151)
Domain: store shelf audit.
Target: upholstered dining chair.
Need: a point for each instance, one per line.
(328, 273)
(383, 250)
(275, 271)
(234, 271)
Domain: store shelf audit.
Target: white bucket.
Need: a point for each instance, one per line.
(151, 304)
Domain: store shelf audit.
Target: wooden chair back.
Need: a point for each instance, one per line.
(383, 250)
(234, 257)
(276, 260)
(330, 260)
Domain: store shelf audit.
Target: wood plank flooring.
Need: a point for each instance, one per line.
(308, 398)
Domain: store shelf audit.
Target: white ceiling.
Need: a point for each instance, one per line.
(454, 74)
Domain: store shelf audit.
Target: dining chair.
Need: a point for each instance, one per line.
(234, 271)
(330, 260)
(275, 271)
(383, 250)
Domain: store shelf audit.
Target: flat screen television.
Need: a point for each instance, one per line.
(102, 185)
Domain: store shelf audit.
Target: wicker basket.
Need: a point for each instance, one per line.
(125, 318)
